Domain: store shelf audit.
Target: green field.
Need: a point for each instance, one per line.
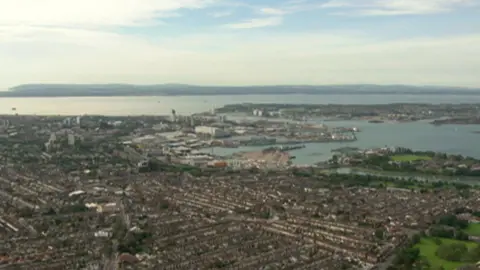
(410, 158)
(428, 248)
(473, 229)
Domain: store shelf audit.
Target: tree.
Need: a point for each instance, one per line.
(453, 221)
(416, 238)
(452, 252)
(334, 159)
(473, 254)
(407, 257)
(380, 233)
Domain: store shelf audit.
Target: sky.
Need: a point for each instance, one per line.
(249, 42)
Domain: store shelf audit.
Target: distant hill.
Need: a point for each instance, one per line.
(78, 90)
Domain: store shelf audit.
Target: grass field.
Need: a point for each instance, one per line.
(473, 229)
(428, 248)
(409, 158)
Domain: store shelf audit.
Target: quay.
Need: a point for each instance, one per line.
(284, 148)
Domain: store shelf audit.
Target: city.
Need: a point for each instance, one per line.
(86, 192)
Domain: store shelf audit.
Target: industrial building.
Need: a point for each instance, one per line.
(212, 131)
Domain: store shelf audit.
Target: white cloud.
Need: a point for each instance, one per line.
(272, 11)
(90, 13)
(221, 14)
(256, 23)
(398, 7)
(64, 41)
(64, 55)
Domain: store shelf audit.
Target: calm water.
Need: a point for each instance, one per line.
(419, 135)
(195, 104)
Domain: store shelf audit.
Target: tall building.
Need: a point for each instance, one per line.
(71, 139)
(48, 146)
(174, 116)
(78, 120)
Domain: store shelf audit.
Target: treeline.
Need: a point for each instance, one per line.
(351, 180)
(408, 258)
(449, 226)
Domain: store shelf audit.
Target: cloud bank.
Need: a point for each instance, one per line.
(60, 41)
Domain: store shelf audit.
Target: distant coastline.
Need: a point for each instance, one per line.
(111, 90)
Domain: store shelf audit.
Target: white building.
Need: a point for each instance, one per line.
(212, 131)
(78, 120)
(258, 112)
(67, 121)
(53, 137)
(71, 139)
(48, 146)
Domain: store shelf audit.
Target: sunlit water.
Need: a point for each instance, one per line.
(195, 104)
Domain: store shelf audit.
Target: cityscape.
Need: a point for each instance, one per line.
(150, 192)
(239, 135)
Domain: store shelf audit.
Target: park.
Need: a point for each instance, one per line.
(456, 253)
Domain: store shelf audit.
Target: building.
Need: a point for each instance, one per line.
(53, 137)
(71, 139)
(174, 116)
(258, 112)
(67, 121)
(5, 123)
(211, 131)
(78, 120)
(48, 146)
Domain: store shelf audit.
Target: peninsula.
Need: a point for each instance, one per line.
(471, 120)
(375, 113)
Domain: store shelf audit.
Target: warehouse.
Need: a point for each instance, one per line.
(211, 131)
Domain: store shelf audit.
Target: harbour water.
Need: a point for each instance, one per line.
(415, 135)
(418, 135)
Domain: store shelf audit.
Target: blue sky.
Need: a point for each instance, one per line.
(220, 42)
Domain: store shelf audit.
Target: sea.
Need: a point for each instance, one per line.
(454, 139)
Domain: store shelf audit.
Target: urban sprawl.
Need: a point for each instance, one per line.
(150, 192)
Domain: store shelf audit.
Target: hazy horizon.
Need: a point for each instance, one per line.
(240, 43)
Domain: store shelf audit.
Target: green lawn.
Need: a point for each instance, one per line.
(473, 229)
(428, 248)
(409, 157)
